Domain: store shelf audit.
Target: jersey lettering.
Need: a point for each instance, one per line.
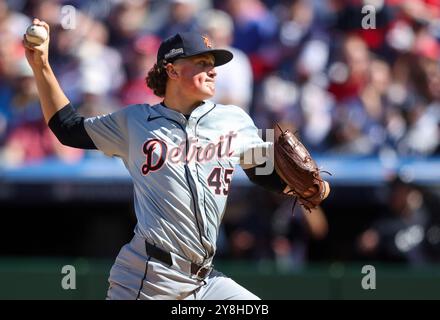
(152, 164)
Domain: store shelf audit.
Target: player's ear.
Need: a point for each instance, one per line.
(171, 71)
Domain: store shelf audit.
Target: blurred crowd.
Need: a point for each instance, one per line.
(351, 76)
(398, 223)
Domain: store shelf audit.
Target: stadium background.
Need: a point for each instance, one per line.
(365, 101)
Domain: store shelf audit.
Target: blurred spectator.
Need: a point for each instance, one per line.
(181, 18)
(316, 107)
(254, 24)
(34, 142)
(301, 37)
(10, 52)
(98, 60)
(11, 21)
(418, 106)
(140, 60)
(266, 228)
(94, 100)
(360, 121)
(127, 19)
(293, 232)
(350, 15)
(305, 105)
(234, 80)
(400, 235)
(246, 228)
(28, 137)
(349, 75)
(83, 53)
(255, 29)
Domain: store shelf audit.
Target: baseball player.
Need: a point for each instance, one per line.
(181, 155)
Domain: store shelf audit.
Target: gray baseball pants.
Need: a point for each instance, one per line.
(135, 275)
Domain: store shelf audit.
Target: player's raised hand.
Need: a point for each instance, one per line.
(37, 54)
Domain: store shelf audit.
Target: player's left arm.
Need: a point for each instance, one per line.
(271, 182)
(255, 155)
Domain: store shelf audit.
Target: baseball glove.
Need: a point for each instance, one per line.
(297, 168)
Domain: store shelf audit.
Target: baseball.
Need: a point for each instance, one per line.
(36, 34)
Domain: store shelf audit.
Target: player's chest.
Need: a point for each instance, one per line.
(172, 147)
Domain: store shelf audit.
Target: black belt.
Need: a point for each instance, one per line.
(201, 272)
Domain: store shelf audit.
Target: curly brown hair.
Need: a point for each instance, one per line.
(157, 79)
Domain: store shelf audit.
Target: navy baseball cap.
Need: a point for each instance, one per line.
(186, 44)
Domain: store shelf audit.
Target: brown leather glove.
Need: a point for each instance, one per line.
(296, 167)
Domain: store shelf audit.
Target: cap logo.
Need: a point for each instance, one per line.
(173, 53)
(207, 42)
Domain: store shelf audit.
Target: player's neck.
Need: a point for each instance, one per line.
(180, 104)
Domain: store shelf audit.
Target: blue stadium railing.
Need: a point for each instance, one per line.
(346, 170)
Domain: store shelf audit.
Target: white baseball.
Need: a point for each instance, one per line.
(36, 34)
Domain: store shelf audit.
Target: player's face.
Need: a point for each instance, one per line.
(197, 76)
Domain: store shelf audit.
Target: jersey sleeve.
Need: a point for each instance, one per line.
(110, 132)
(251, 149)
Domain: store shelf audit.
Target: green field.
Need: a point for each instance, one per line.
(37, 278)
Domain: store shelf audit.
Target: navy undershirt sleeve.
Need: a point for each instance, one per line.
(270, 182)
(68, 127)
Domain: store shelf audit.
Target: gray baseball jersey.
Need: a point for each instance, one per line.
(181, 169)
